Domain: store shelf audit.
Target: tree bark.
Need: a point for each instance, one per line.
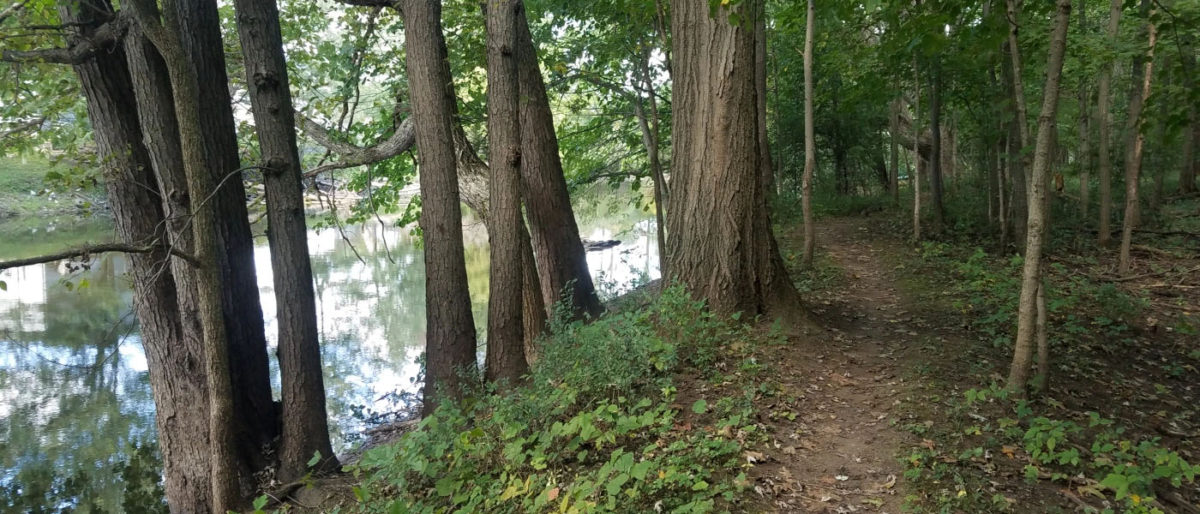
(720, 247)
(505, 355)
(450, 329)
(305, 421)
(1031, 280)
(936, 159)
(1103, 109)
(894, 170)
(256, 412)
(173, 355)
(1143, 71)
(767, 173)
(810, 143)
(561, 258)
(916, 176)
(223, 462)
(1085, 135)
(152, 89)
(1018, 199)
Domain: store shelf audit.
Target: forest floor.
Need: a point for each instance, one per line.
(869, 413)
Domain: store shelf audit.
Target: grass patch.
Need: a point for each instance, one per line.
(27, 188)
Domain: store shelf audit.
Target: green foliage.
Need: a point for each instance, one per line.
(592, 429)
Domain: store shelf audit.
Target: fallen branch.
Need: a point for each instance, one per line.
(85, 251)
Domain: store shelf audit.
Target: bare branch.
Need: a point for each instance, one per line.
(350, 155)
(22, 126)
(85, 251)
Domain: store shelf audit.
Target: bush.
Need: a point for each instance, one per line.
(593, 429)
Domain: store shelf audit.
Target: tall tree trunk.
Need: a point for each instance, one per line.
(935, 157)
(1031, 280)
(305, 421)
(1019, 200)
(1085, 134)
(810, 142)
(720, 247)
(760, 84)
(177, 385)
(223, 461)
(1020, 130)
(1041, 381)
(505, 355)
(559, 253)
(1143, 71)
(256, 413)
(1191, 140)
(650, 141)
(450, 329)
(894, 147)
(916, 175)
(1002, 182)
(1104, 110)
(183, 414)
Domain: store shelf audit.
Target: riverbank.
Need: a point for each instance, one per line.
(25, 195)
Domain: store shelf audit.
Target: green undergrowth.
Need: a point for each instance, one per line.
(1083, 444)
(600, 425)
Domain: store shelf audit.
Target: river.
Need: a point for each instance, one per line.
(74, 387)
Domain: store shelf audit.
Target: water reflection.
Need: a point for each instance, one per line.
(74, 389)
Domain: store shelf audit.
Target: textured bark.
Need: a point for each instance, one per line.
(561, 258)
(1031, 276)
(257, 416)
(1085, 134)
(648, 123)
(916, 176)
(305, 426)
(810, 143)
(177, 383)
(1104, 110)
(450, 329)
(893, 142)
(937, 159)
(1041, 381)
(767, 170)
(223, 462)
(1143, 72)
(505, 356)
(720, 245)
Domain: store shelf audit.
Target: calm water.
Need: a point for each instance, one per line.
(74, 388)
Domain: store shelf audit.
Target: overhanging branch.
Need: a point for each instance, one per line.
(350, 155)
(106, 34)
(84, 251)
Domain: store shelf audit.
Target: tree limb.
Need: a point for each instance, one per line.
(106, 34)
(350, 155)
(85, 251)
(23, 126)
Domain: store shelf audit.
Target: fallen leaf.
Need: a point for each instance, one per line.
(552, 494)
(754, 457)
(928, 443)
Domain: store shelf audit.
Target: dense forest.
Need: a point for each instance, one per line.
(932, 256)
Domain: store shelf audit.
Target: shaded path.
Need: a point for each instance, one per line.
(839, 454)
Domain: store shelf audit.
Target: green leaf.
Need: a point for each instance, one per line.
(260, 502)
(700, 407)
(700, 486)
(315, 459)
(3, 285)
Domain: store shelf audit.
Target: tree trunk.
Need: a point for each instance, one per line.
(1041, 381)
(1019, 200)
(177, 384)
(1019, 137)
(760, 85)
(894, 170)
(916, 176)
(305, 426)
(223, 461)
(450, 328)
(720, 247)
(1191, 139)
(648, 123)
(1031, 280)
(936, 158)
(505, 356)
(810, 143)
(561, 258)
(1143, 71)
(1085, 135)
(256, 412)
(180, 399)
(1103, 109)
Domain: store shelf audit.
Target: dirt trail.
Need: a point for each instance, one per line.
(839, 454)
